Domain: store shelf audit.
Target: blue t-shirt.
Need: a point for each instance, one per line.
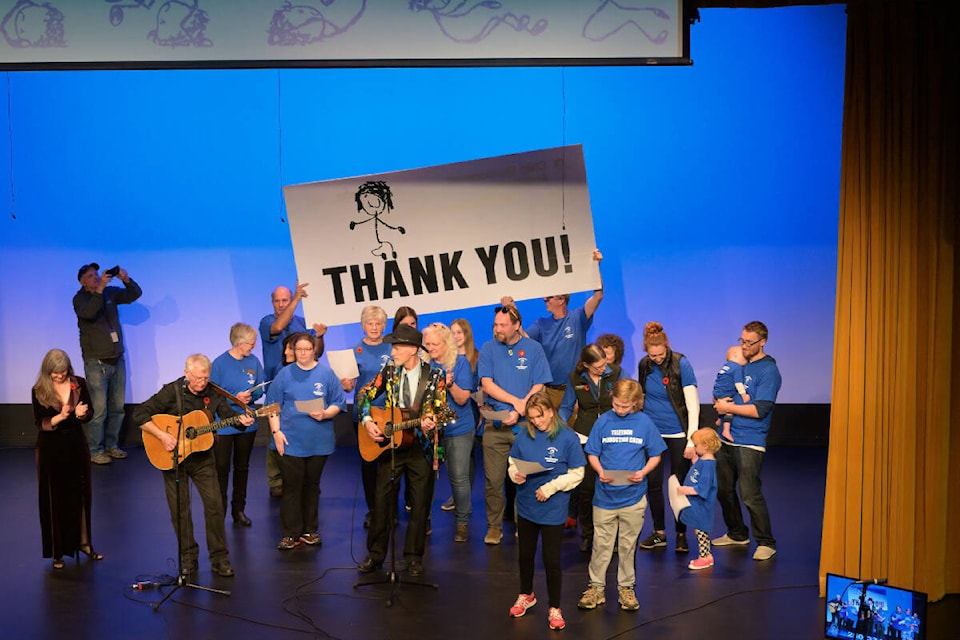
(236, 376)
(762, 382)
(703, 477)
(626, 444)
(727, 378)
(273, 345)
(558, 455)
(514, 368)
(562, 341)
(370, 359)
(305, 436)
(656, 402)
(464, 378)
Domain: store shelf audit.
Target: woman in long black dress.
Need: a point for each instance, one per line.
(61, 404)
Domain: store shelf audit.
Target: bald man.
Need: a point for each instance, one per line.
(282, 323)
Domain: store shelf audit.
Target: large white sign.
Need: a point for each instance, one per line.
(150, 33)
(446, 237)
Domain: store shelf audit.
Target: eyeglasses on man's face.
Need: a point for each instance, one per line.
(748, 343)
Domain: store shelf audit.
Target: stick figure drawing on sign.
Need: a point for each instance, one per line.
(375, 200)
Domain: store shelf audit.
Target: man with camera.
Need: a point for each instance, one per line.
(101, 343)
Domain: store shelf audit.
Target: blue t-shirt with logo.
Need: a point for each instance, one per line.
(562, 341)
(702, 477)
(305, 436)
(514, 368)
(625, 444)
(236, 376)
(559, 455)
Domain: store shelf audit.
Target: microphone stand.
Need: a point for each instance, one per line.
(182, 580)
(392, 576)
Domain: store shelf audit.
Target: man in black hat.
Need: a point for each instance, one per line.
(419, 391)
(101, 343)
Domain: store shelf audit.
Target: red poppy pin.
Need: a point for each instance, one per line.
(522, 354)
(359, 349)
(73, 387)
(586, 387)
(666, 381)
(206, 401)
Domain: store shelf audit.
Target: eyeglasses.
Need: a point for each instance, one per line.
(511, 311)
(199, 378)
(303, 349)
(746, 343)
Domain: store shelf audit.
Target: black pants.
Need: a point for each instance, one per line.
(200, 467)
(299, 504)
(236, 449)
(528, 532)
(412, 465)
(679, 466)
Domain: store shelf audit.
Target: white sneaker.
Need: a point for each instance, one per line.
(764, 552)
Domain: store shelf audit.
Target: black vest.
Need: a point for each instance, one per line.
(671, 367)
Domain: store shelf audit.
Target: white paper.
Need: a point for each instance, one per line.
(309, 406)
(528, 468)
(619, 477)
(344, 363)
(677, 502)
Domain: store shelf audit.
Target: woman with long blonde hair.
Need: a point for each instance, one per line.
(458, 437)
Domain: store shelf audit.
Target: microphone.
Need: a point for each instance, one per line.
(877, 581)
(141, 586)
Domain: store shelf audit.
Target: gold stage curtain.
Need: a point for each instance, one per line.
(893, 471)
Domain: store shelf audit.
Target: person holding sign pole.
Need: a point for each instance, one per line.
(563, 334)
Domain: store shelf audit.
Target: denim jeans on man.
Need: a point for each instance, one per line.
(107, 384)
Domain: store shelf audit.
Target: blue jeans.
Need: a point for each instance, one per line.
(740, 465)
(459, 450)
(107, 384)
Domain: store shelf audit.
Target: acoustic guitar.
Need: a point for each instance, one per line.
(197, 434)
(398, 433)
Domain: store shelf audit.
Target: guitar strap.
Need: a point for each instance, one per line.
(228, 395)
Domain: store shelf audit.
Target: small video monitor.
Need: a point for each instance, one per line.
(865, 610)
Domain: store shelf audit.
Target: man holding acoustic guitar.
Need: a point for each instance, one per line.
(193, 398)
(416, 406)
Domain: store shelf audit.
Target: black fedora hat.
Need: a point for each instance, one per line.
(405, 334)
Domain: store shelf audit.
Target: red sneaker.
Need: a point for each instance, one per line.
(524, 602)
(701, 563)
(555, 617)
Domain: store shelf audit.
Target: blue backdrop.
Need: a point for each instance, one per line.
(714, 189)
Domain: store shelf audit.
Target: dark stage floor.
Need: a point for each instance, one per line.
(309, 592)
